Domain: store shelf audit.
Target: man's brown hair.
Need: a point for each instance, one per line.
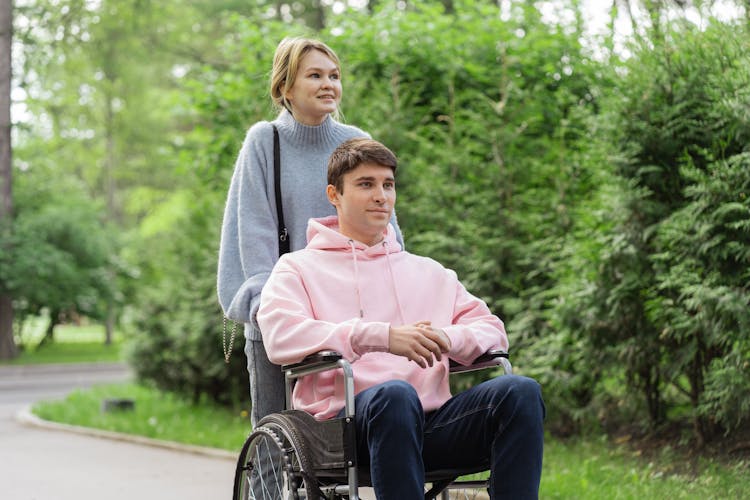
(355, 152)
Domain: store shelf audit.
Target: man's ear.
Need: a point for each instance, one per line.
(333, 195)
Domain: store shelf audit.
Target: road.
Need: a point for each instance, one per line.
(42, 464)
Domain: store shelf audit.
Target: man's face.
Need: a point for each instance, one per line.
(366, 203)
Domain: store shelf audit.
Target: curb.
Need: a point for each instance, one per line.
(20, 369)
(26, 417)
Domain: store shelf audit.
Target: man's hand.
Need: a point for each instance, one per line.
(419, 342)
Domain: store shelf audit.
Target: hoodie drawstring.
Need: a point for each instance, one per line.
(390, 271)
(393, 282)
(356, 279)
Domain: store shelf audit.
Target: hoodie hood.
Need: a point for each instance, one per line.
(323, 234)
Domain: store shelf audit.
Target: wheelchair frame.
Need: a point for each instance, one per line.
(334, 454)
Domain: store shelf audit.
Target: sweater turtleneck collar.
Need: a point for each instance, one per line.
(325, 133)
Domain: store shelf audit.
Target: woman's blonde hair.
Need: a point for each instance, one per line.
(286, 61)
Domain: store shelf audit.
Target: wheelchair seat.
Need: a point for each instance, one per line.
(291, 455)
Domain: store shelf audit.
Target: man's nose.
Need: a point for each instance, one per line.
(379, 194)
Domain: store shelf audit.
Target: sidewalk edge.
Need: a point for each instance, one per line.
(26, 417)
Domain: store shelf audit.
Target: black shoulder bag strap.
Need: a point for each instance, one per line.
(283, 236)
(283, 233)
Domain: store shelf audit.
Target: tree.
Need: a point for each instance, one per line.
(7, 345)
(667, 299)
(99, 97)
(59, 251)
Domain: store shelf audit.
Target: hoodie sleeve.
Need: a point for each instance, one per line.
(291, 332)
(474, 329)
(249, 247)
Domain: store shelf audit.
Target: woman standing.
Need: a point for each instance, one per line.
(306, 87)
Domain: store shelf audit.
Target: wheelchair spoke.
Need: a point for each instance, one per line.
(271, 469)
(264, 473)
(270, 475)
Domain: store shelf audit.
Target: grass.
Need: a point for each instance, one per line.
(582, 468)
(73, 344)
(80, 352)
(156, 415)
(595, 468)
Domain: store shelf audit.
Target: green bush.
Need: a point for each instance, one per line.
(669, 300)
(176, 324)
(483, 117)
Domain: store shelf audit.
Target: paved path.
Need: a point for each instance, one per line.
(42, 464)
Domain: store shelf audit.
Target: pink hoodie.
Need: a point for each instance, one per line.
(339, 294)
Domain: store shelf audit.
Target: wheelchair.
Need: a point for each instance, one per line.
(291, 456)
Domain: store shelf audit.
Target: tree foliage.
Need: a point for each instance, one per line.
(56, 257)
(669, 301)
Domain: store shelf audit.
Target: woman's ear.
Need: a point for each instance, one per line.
(285, 92)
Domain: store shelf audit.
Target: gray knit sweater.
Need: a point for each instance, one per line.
(249, 243)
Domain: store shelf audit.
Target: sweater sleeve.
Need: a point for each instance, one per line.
(291, 332)
(249, 245)
(475, 330)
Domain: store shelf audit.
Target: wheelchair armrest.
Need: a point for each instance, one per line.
(320, 361)
(490, 359)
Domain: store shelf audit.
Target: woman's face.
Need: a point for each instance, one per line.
(317, 89)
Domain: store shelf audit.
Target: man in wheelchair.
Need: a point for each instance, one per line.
(398, 318)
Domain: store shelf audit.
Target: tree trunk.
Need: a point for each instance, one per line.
(109, 323)
(49, 334)
(112, 213)
(8, 348)
(317, 18)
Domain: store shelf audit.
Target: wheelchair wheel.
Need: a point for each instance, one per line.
(464, 494)
(272, 466)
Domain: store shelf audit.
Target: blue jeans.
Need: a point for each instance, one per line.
(497, 424)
